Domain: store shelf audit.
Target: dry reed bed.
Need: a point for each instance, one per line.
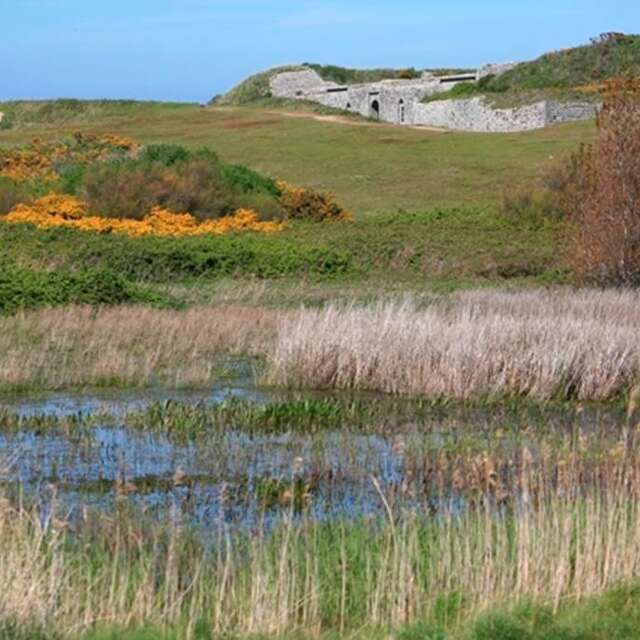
(79, 345)
(583, 344)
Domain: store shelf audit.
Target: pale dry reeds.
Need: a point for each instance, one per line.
(582, 344)
(133, 346)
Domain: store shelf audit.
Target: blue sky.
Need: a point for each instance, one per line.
(193, 49)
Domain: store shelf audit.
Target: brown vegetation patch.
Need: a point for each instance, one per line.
(250, 124)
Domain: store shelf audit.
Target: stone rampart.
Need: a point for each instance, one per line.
(401, 102)
(475, 114)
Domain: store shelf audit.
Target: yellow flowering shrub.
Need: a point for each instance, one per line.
(55, 210)
(306, 204)
(119, 142)
(38, 160)
(23, 164)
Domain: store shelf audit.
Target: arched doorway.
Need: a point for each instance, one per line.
(401, 111)
(375, 110)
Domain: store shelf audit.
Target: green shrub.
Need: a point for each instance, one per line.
(173, 177)
(158, 259)
(24, 288)
(10, 195)
(408, 74)
(71, 178)
(458, 91)
(131, 189)
(165, 154)
(530, 207)
(249, 181)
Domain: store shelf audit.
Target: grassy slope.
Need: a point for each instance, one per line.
(379, 172)
(372, 168)
(441, 248)
(556, 74)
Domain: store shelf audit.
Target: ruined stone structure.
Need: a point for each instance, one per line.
(401, 101)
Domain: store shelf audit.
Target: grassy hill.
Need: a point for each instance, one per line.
(425, 203)
(255, 89)
(565, 74)
(27, 113)
(372, 168)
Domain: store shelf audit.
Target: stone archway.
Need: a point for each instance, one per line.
(375, 110)
(401, 111)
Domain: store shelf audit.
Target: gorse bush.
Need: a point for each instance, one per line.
(307, 204)
(130, 190)
(600, 193)
(59, 210)
(117, 179)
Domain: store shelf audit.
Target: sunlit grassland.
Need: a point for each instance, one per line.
(372, 168)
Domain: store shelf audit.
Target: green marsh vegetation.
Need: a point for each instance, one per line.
(490, 525)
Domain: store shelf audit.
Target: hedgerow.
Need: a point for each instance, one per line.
(167, 259)
(22, 288)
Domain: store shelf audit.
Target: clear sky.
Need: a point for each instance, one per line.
(193, 49)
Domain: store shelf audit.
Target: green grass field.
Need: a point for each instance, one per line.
(372, 168)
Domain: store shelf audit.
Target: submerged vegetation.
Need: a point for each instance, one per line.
(426, 519)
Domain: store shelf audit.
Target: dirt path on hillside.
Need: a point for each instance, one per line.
(351, 121)
(336, 119)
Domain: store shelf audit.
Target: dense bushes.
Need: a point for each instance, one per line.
(24, 288)
(177, 179)
(170, 259)
(131, 189)
(115, 178)
(600, 193)
(10, 195)
(306, 204)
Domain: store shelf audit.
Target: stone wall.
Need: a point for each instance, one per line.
(291, 84)
(475, 114)
(388, 100)
(494, 69)
(570, 112)
(400, 102)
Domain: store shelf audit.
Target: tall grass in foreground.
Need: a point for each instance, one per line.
(304, 577)
(583, 344)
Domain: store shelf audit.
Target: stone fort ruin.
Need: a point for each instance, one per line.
(401, 101)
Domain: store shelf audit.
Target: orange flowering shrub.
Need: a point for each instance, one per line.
(55, 210)
(305, 204)
(119, 142)
(23, 164)
(39, 160)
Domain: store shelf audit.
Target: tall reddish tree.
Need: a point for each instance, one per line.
(602, 195)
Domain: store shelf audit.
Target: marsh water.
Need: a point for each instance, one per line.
(236, 457)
